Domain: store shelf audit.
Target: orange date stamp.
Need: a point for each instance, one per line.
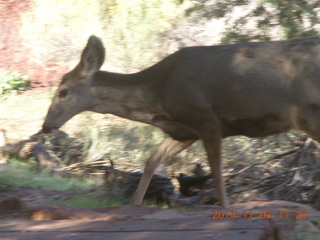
(267, 214)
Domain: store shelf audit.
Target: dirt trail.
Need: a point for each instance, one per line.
(255, 220)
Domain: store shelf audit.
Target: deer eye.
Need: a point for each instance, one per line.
(63, 93)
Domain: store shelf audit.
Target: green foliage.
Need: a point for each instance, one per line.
(297, 18)
(19, 174)
(129, 29)
(13, 81)
(248, 20)
(215, 9)
(132, 28)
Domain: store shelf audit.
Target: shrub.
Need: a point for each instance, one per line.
(13, 81)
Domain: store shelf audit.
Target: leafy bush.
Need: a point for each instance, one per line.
(132, 29)
(13, 81)
(129, 29)
(19, 174)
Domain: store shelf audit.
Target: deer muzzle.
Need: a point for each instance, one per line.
(47, 129)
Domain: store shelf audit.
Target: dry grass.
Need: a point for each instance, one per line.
(21, 115)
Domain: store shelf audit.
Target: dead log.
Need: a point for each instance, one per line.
(160, 190)
(190, 185)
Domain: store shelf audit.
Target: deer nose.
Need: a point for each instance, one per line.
(46, 129)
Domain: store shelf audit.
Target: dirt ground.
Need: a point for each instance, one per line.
(24, 214)
(138, 223)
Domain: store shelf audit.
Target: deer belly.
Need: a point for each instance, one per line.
(255, 127)
(176, 130)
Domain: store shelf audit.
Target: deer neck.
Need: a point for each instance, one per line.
(126, 95)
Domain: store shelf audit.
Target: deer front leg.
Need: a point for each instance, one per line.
(165, 151)
(213, 149)
(211, 136)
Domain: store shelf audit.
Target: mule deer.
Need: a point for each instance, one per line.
(207, 93)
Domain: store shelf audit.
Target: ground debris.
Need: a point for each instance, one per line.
(292, 175)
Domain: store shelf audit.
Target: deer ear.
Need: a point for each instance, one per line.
(92, 57)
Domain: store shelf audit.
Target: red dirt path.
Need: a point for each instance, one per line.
(129, 222)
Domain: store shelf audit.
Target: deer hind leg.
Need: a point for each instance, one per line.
(165, 151)
(308, 120)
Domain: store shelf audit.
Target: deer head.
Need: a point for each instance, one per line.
(73, 94)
